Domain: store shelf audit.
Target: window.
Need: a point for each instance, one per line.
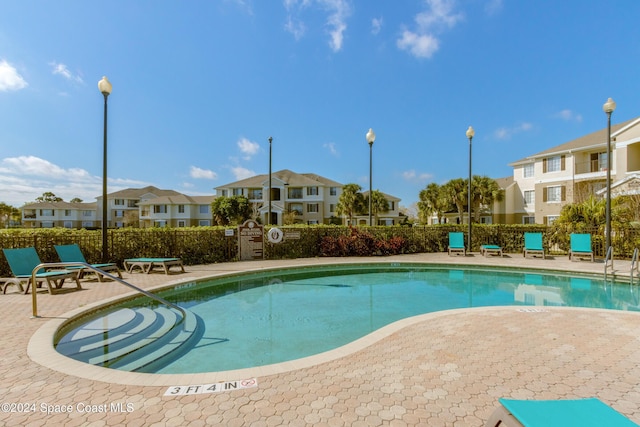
(255, 193)
(47, 224)
(529, 197)
(332, 207)
(204, 209)
(553, 164)
(181, 209)
(119, 213)
(161, 223)
(204, 223)
(294, 193)
(237, 191)
(550, 219)
(392, 205)
(224, 193)
(313, 207)
(46, 212)
(312, 222)
(132, 204)
(68, 224)
(182, 223)
(159, 208)
(528, 219)
(555, 194)
(86, 224)
(118, 202)
(87, 213)
(312, 191)
(528, 170)
(296, 207)
(333, 191)
(67, 212)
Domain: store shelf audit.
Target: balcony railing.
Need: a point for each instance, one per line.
(591, 166)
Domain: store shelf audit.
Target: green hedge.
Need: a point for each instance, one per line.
(206, 245)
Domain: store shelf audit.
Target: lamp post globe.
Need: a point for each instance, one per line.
(371, 137)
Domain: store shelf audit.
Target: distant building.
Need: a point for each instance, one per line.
(307, 198)
(176, 211)
(59, 214)
(122, 207)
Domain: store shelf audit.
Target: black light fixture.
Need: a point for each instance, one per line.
(470, 134)
(608, 108)
(105, 88)
(371, 137)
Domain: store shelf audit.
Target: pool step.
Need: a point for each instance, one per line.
(130, 339)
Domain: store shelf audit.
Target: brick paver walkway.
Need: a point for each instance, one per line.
(441, 369)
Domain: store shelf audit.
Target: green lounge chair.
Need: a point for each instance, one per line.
(72, 253)
(23, 261)
(533, 245)
(581, 246)
(456, 243)
(486, 250)
(590, 412)
(148, 264)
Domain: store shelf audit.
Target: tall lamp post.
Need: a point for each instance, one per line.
(470, 134)
(105, 88)
(608, 108)
(371, 137)
(269, 213)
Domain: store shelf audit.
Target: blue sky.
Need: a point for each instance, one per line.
(199, 86)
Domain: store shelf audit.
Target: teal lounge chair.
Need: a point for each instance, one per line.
(456, 243)
(590, 412)
(581, 246)
(23, 261)
(72, 253)
(533, 245)
(146, 265)
(486, 250)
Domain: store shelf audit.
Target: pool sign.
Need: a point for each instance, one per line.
(275, 235)
(250, 240)
(184, 390)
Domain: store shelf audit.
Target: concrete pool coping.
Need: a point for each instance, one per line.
(384, 380)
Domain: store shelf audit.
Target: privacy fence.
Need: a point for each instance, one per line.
(206, 245)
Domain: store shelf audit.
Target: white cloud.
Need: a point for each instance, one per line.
(10, 79)
(241, 173)
(247, 147)
(507, 132)
(62, 70)
(338, 12)
(331, 147)
(419, 45)
(376, 25)
(493, 7)
(412, 176)
(568, 115)
(25, 178)
(439, 16)
(198, 173)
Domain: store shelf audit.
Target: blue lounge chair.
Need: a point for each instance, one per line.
(146, 265)
(22, 263)
(486, 250)
(590, 412)
(456, 243)
(581, 246)
(533, 245)
(72, 253)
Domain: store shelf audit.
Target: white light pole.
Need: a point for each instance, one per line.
(470, 134)
(371, 137)
(105, 88)
(608, 108)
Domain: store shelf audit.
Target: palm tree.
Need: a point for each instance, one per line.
(379, 203)
(455, 192)
(433, 199)
(350, 202)
(486, 191)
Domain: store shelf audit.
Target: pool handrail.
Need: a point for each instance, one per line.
(634, 264)
(34, 293)
(608, 261)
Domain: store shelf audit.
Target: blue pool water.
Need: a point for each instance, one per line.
(263, 318)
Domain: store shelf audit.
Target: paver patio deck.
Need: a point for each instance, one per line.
(440, 369)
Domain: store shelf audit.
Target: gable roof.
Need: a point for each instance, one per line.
(60, 205)
(179, 199)
(136, 193)
(286, 176)
(592, 140)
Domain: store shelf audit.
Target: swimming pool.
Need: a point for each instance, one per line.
(264, 318)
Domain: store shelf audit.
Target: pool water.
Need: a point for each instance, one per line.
(263, 318)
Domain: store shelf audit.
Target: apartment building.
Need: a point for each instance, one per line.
(176, 211)
(59, 214)
(308, 198)
(569, 173)
(123, 206)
